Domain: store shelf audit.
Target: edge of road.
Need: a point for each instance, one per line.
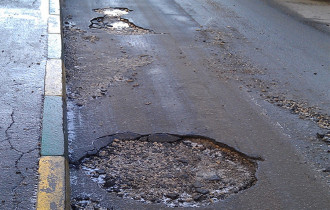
(298, 10)
(54, 183)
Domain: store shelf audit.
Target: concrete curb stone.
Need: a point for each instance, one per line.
(54, 186)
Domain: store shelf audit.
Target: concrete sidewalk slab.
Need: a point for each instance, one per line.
(23, 58)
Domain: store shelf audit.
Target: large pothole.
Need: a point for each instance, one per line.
(175, 170)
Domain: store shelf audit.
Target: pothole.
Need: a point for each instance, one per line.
(114, 23)
(179, 171)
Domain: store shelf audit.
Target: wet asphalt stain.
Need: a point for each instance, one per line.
(176, 170)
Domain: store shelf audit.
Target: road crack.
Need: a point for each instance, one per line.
(23, 177)
(8, 136)
(17, 170)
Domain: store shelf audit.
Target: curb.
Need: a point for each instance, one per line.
(54, 186)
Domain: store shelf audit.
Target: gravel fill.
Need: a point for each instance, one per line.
(190, 172)
(304, 111)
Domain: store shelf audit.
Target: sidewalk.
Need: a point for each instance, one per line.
(29, 49)
(23, 59)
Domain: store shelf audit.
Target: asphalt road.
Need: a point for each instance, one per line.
(22, 70)
(209, 68)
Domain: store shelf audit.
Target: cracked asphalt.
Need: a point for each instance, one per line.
(22, 65)
(208, 69)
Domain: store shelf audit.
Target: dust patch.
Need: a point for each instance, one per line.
(175, 171)
(111, 72)
(230, 66)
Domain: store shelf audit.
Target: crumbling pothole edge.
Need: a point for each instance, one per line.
(103, 141)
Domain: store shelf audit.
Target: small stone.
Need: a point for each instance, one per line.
(202, 191)
(214, 178)
(144, 138)
(101, 171)
(137, 197)
(187, 143)
(109, 183)
(153, 200)
(170, 176)
(102, 153)
(185, 176)
(172, 196)
(202, 148)
(326, 169)
(116, 190)
(182, 160)
(188, 200)
(198, 185)
(320, 136)
(197, 197)
(326, 139)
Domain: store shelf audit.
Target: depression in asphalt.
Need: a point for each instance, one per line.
(209, 104)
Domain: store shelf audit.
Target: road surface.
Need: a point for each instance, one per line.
(246, 73)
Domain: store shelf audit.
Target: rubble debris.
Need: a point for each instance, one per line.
(170, 169)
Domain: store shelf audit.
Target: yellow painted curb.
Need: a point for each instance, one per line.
(52, 189)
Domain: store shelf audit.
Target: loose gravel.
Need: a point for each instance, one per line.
(188, 173)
